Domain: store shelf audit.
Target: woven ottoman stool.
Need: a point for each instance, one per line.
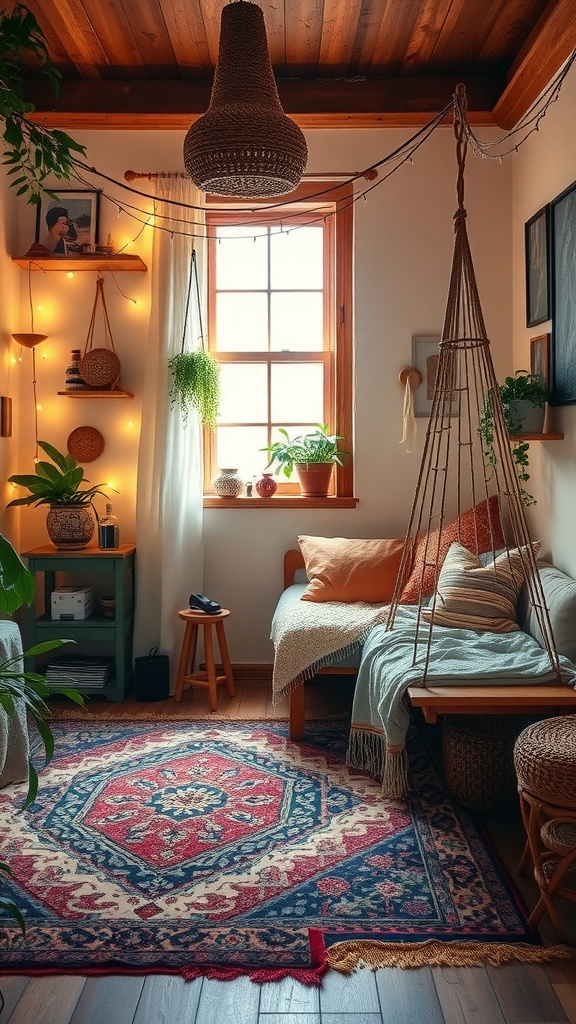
(545, 763)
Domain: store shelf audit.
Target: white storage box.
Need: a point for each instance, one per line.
(72, 603)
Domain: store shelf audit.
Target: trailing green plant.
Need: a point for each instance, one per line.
(315, 446)
(57, 484)
(195, 384)
(522, 387)
(19, 687)
(32, 152)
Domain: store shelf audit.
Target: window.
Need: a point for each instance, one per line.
(280, 325)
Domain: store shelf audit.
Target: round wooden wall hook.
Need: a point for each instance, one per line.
(412, 374)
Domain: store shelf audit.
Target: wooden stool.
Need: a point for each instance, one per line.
(545, 762)
(208, 679)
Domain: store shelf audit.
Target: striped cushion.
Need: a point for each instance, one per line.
(472, 596)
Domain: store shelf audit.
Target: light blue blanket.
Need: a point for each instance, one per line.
(390, 663)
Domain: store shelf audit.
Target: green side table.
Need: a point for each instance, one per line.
(107, 636)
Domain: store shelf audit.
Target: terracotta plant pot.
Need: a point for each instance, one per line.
(314, 478)
(70, 527)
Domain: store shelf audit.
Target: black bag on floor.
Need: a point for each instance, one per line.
(152, 676)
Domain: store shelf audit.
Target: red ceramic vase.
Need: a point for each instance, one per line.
(266, 486)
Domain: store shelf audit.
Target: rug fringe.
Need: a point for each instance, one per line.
(347, 957)
(260, 976)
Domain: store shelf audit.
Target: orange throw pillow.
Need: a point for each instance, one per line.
(339, 569)
(474, 534)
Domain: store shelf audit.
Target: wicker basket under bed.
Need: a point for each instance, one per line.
(477, 753)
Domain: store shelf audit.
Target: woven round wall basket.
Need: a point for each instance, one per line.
(100, 368)
(85, 444)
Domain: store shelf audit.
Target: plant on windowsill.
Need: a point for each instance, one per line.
(312, 455)
(70, 519)
(21, 690)
(523, 401)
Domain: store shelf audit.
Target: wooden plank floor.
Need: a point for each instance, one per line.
(511, 994)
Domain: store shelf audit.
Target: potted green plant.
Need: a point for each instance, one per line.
(70, 519)
(195, 384)
(523, 400)
(22, 691)
(312, 455)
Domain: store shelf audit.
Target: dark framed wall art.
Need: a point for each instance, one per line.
(563, 236)
(537, 250)
(540, 360)
(68, 225)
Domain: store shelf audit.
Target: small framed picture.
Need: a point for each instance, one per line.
(540, 360)
(537, 249)
(425, 357)
(68, 226)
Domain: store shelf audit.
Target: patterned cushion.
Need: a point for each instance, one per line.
(472, 596)
(479, 529)
(339, 569)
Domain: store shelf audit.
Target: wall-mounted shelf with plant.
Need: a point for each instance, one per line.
(523, 401)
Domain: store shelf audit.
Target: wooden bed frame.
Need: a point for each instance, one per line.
(444, 700)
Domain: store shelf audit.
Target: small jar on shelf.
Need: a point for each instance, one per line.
(108, 529)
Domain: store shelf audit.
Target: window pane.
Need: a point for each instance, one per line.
(296, 321)
(243, 393)
(297, 393)
(242, 322)
(239, 447)
(242, 262)
(296, 258)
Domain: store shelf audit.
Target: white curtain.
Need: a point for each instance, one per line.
(169, 556)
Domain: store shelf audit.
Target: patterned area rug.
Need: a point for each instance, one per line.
(223, 848)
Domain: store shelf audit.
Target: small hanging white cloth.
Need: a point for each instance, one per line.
(408, 420)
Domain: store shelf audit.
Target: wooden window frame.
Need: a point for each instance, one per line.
(313, 200)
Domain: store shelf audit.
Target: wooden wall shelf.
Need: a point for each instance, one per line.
(96, 394)
(92, 262)
(536, 437)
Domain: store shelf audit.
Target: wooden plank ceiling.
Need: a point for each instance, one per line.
(339, 63)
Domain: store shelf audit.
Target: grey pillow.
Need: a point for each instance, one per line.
(560, 596)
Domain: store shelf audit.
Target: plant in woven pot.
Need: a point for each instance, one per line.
(70, 519)
(523, 400)
(312, 455)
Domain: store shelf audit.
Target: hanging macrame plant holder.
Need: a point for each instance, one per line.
(100, 367)
(453, 460)
(195, 375)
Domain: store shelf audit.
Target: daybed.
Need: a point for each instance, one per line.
(329, 636)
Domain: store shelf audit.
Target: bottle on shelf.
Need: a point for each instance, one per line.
(74, 381)
(108, 529)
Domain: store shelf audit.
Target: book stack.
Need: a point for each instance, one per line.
(81, 671)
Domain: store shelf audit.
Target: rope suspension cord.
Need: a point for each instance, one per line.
(466, 393)
(193, 275)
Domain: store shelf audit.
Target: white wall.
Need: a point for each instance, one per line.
(543, 168)
(403, 247)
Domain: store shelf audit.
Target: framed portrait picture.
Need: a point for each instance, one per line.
(563, 348)
(68, 226)
(425, 356)
(537, 247)
(540, 360)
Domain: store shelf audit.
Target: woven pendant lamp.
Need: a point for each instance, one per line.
(244, 145)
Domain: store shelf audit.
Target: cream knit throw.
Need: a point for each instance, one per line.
(308, 635)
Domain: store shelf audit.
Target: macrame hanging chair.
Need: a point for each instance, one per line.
(452, 461)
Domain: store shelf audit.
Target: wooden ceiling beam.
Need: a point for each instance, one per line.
(547, 47)
(393, 101)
